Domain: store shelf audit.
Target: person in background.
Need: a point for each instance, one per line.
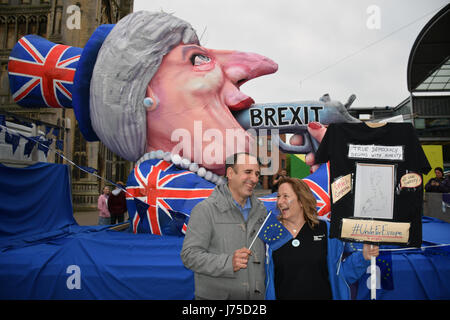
(104, 217)
(117, 203)
(277, 178)
(310, 265)
(439, 183)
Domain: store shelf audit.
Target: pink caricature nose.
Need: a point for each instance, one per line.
(242, 66)
(239, 67)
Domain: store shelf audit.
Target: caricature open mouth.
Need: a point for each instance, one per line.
(244, 101)
(244, 67)
(244, 104)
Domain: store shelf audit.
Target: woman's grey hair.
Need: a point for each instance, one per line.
(128, 59)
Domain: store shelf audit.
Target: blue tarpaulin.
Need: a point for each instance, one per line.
(34, 200)
(45, 254)
(416, 274)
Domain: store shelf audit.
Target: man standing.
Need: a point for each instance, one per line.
(117, 203)
(277, 178)
(219, 233)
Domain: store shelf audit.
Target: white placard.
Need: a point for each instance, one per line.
(374, 191)
(393, 153)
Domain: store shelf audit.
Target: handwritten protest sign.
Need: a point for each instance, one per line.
(340, 187)
(375, 231)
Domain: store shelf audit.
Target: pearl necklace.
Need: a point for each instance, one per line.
(295, 230)
(183, 163)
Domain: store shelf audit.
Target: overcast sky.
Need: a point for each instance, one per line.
(321, 46)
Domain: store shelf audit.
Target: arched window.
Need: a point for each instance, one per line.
(79, 155)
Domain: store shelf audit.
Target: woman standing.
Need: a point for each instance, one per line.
(104, 217)
(309, 266)
(439, 183)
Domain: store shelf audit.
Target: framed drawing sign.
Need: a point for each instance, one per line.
(374, 206)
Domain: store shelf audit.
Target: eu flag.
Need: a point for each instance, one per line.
(273, 232)
(384, 262)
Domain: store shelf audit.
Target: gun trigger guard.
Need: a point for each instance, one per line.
(288, 148)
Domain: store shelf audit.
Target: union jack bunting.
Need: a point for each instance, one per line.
(270, 201)
(167, 190)
(41, 72)
(319, 183)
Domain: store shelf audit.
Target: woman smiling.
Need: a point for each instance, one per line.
(310, 266)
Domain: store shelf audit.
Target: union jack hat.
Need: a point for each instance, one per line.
(44, 74)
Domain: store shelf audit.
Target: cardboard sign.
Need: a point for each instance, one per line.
(375, 231)
(410, 180)
(340, 187)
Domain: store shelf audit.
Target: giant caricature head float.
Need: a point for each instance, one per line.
(128, 59)
(162, 60)
(158, 56)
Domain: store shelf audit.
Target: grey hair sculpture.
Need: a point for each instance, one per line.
(128, 59)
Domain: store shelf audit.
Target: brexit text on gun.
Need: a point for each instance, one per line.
(293, 117)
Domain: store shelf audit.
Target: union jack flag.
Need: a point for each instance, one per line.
(41, 72)
(270, 201)
(166, 189)
(319, 183)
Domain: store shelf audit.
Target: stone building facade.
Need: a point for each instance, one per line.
(71, 23)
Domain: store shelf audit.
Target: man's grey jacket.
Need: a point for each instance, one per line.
(215, 230)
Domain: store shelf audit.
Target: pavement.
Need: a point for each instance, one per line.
(86, 218)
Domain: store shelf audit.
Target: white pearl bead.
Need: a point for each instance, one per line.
(201, 172)
(185, 163)
(193, 167)
(176, 159)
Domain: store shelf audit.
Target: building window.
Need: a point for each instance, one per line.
(79, 155)
(115, 167)
(3, 32)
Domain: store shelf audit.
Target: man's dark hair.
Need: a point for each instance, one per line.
(231, 161)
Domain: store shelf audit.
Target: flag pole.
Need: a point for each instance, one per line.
(373, 277)
(260, 228)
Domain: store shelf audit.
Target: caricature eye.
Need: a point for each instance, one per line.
(199, 59)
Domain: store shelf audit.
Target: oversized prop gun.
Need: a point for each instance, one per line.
(293, 117)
